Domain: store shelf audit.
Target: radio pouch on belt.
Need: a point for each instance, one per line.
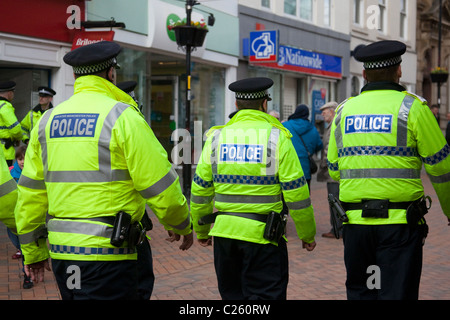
(417, 210)
(121, 228)
(375, 208)
(275, 226)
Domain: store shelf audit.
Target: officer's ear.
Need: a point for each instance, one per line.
(364, 74)
(111, 74)
(399, 72)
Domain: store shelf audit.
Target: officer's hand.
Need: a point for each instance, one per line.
(308, 246)
(205, 242)
(172, 236)
(36, 270)
(188, 240)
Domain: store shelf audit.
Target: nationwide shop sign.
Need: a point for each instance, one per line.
(83, 38)
(309, 62)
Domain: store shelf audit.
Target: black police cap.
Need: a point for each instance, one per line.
(93, 58)
(46, 91)
(381, 54)
(251, 88)
(127, 86)
(7, 86)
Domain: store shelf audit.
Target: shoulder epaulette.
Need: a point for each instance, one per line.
(421, 99)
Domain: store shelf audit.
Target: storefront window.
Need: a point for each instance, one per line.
(133, 66)
(321, 92)
(27, 82)
(274, 91)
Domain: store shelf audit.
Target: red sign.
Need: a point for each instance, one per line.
(83, 38)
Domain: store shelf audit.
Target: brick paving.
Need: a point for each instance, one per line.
(316, 275)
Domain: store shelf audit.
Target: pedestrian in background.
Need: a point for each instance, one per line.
(245, 167)
(305, 138)
(379, 142)
(93, 163)
(328, 112)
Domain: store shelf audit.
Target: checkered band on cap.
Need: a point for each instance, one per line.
(251, 95)
(94, 68)
(383, 63)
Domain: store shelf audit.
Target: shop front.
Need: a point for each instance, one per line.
(309, 64)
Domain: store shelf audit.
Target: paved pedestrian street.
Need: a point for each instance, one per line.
(316, 275)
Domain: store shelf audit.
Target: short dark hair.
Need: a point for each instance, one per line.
(20, 152)
(382, 74)
(250, 104)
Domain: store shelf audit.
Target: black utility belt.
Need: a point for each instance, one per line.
(378, 208)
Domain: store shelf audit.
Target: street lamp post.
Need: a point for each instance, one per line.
(187, 167)
(439, 52)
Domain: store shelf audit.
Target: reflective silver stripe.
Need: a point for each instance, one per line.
(440, 179)
(7, 187)
(33, 236)
(299, 204)
(160, 185)
(201, 199)
(31, 183)
(338, 130)
(79, 227)
(87, 176)
(214, 151)
(104, 173)
(186, 223)
(42, 139)
(402, 120)
(388, 173)
(247, 199)
(271, 162)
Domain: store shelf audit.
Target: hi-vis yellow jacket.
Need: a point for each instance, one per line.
(245, 166)
(378, 143)
(93, 156)
(8, 195)
(9, 127)
(29, 121)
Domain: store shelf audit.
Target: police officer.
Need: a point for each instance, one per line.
(10, 132)
(29, 121)
(244, 169)
(93, 163)
(8, 195)
(379, 140)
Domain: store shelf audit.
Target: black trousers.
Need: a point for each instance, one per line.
(388, 254)
(251, 271)
(107, 280)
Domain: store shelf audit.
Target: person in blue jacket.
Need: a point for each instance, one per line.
(299, 125)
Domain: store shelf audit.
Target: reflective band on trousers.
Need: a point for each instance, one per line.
(104, 172)
(55, 248)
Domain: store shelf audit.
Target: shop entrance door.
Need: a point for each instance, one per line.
(164, 109)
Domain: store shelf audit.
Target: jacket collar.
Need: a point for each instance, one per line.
(38, 108)
(100, 85)
(383, 85)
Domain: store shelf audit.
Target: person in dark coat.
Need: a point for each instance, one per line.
(299, 125)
